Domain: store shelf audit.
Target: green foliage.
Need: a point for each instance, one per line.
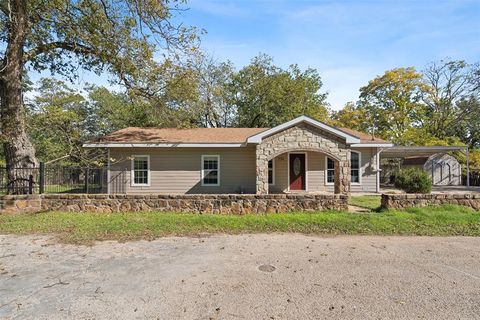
(450, 99)
(120, 37)
(265, 95)
(413, 180)
(368, 202)
(212, 105)
(56, 121)
(393, 102)
(353, 116)
(87, 227)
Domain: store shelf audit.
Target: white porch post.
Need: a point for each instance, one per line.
(468, 168)
(377, 164)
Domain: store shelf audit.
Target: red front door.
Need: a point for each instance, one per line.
(297, 171)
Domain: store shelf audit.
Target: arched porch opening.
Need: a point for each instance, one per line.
(300, 169)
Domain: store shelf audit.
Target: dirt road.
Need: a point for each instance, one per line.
(276, 276)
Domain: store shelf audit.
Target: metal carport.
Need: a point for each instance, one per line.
(404, 151)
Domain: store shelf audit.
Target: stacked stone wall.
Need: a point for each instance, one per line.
(402, 201)
(214, 204)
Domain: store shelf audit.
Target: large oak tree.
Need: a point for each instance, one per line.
(120, 37)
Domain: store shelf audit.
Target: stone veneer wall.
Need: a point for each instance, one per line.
(217, 204)
(304, 137)
(401, 201)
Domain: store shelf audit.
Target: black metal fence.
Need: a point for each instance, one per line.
(474, 179)
(53, 179)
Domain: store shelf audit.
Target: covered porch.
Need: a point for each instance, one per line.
(302, 172)
(302, 157)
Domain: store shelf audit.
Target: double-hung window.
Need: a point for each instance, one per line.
(140, 170)
(210, 170)
(330, 170)
(355, 168)
(271, 179)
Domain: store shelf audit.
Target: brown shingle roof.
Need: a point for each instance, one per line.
(174, 135)
(201, 135)
(364, 137)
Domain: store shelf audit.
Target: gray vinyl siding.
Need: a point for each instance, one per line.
(368, 177)
(178, 170)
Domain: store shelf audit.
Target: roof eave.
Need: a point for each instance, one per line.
(372, 145)
(162, 145)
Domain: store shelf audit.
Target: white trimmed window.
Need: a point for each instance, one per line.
(355, 169)
(330, 171)
(271, 178)
(140, 170)
(210, 170)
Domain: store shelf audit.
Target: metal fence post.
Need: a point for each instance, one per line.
(30, 184)
(86, 180)
(41, 180)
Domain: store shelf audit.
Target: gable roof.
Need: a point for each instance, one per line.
(349, 138)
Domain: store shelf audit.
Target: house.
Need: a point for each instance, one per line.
(301, 155)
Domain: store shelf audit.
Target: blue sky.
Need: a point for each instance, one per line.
(348, 41)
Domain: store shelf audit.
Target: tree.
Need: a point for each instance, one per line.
(467, 128)
(448, 82)
(118, 36)
(393, 102)
(59, 119)
(212, 104)
(353, 116)
(265, 95)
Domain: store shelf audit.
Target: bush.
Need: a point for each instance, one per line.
(413, 180)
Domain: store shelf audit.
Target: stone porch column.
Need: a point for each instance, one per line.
(261, 171)
(343, 175)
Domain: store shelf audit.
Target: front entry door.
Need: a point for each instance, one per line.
(297, 171)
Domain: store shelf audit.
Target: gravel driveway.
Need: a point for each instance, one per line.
(276, 276)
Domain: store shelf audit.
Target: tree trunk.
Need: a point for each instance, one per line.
(19, 151)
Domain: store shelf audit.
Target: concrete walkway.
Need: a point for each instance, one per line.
(277, 276)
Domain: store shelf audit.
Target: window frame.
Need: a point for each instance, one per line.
(326, 172)
(273, 172)
(203, 170)
(132, 174)
(359, 168)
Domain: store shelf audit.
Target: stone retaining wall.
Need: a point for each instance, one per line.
(217, 204)
(401, 201)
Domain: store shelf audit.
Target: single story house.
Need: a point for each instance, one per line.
(301, 155)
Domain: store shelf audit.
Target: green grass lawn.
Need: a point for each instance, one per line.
(368, 202)
(88, 227)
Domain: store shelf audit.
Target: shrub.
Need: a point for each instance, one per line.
(413, 180)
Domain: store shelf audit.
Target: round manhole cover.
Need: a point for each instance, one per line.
(266, 268)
